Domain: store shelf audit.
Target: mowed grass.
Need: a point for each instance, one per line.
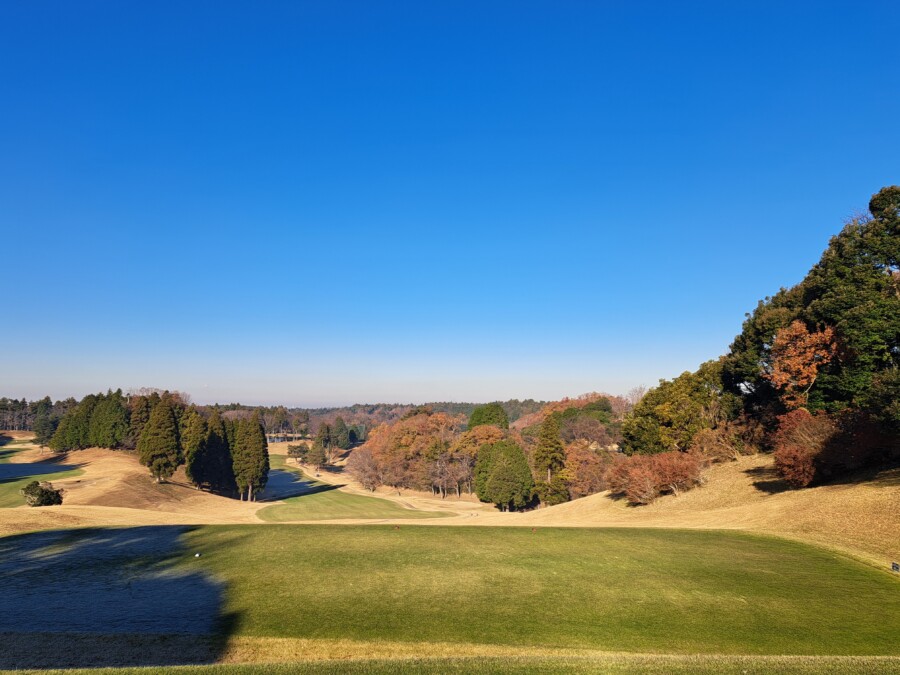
(636, 590)
(11, 482)
(323, 502)
(612, 665)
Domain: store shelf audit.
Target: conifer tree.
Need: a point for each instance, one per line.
(549, 455)
(218, 455)
(193, 442)
(158, 446)
(340, 434)
(108, 424)
(484, 464)
(250, 457)
(141, 407)
(509, 484)
(43, 422)
(316, 456)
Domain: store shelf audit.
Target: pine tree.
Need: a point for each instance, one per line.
(159, 446)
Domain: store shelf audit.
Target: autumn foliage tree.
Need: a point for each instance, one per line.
(795, 358)
(643, 478)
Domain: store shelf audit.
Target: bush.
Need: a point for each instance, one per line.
(41, 494)
(643, 478)
(799, 441)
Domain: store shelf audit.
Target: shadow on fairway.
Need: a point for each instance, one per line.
(283, 484)
(766, 479)
(10, 472)
(92, 598)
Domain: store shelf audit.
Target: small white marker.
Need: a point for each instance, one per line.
(196, 555)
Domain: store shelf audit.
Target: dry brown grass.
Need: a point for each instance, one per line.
(856, 518)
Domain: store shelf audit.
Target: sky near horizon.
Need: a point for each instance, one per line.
(318, 203)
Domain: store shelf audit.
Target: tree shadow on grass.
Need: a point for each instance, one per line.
(112, 597)
(284, 484)
(766, 479)
(10, 472)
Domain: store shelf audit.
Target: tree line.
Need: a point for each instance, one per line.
(512, 469)
(220, 454)
(814, 375)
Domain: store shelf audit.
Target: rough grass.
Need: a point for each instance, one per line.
(637, 590)
(323, 502)
(612, 664)
(16, 476)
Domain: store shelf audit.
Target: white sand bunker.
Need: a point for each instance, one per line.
(106, 582)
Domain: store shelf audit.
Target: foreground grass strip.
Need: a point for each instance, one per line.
(635, 590)
(325, 503)
(612, 664)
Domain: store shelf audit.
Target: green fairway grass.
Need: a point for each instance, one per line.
(613, 665)
(10, 486)
(427, 599)
(324, 502)
(670, 591)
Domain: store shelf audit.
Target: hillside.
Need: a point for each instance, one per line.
(856, 517)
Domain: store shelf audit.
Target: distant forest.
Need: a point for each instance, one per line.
(44, 415)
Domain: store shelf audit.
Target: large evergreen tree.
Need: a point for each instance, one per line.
(108, 425)
(340, 434)
(194, 445)
(251, 457)
(43, 425)
(158, 446)
(549, 455)
(508, 483)
(218, 456)
(141, 407)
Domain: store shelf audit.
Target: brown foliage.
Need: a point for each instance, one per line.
(642, 478)
(619, 406)
(586, 469)
(800, 439)
(796, 357)
(364, 468)
(412, 453)
(468, 442)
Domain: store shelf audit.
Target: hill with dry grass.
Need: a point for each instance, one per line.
(858, 517)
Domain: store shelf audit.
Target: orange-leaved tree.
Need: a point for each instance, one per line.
(796, 357)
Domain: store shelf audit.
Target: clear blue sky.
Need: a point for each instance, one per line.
(334, 202)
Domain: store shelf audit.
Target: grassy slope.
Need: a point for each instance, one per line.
(642, 590)
(9, 489)
(331, 504)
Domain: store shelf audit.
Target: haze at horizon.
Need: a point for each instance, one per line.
(333, 203)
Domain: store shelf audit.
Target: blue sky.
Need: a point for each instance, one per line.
(332, 202)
